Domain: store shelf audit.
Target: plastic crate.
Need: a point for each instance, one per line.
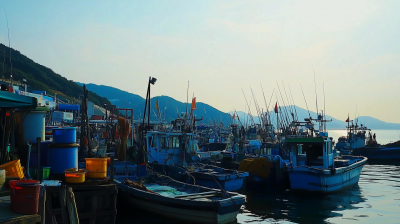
(45, 174)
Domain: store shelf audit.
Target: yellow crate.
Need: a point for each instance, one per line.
(96, 167)
(13, 169)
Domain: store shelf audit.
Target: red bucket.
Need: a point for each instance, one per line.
(24, 196)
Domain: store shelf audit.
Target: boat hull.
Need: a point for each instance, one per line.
(273, 181)
(220, 212)
(378, 153)
(234, 183)
(192, 216)
(325, 181)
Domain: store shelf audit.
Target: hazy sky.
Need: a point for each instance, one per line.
(222, 47)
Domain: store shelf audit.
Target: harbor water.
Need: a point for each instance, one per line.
(376, 199)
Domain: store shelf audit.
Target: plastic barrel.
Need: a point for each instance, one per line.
(62, 157)
(32, 125)
(24, 196)
(64, 135)
(43, 154)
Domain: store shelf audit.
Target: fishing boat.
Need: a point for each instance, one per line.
(376, 153)
(168, 153)
(356, 138)
(181, 201)
(359, 143)
(317, 170)
(172, 148)
(205, 175)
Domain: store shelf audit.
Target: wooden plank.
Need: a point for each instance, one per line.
(42, 207)
(93, 193)
(95, 214)
(64, 214)
(199, 194)
(114, 200)
(73, 213)
(76, 188)
(94, 209)
(25, 219)
(49, 208)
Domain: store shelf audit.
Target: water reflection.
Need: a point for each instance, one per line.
(299, 208)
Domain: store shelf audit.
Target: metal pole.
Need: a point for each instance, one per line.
(38, 171)
(112, 169)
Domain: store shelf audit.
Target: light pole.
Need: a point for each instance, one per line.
(147, 108)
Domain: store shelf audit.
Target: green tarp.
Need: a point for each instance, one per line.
(10, 100)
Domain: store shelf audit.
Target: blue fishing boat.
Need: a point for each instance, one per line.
(380, 153)
(181, 201)
(167, 149)
(356, 138)
(204, 175)
(216, 177)
(317, 170)
(359, 143)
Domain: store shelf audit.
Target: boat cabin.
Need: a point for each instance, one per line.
(313, 152)
(173, 148)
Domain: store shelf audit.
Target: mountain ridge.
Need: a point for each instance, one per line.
(123, 98)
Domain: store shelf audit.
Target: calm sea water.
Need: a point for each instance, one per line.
(376, 199)
(382, 136)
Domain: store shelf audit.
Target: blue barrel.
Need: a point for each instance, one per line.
(32, 125)
(43, 154)
(65, 135)
(62, 157)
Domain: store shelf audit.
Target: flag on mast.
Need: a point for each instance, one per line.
(276, 107)
(193, 107)
(157, 107)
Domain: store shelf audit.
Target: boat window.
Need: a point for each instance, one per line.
(153, 142)
(176, 142)
(162, 143)
(170, 142)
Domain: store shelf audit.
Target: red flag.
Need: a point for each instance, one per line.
(193, 107)
(276, 107)
(233, 117)
(347, 119)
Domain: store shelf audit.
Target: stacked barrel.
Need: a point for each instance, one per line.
(63, 152)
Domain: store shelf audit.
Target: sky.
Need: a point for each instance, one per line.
(225, 49)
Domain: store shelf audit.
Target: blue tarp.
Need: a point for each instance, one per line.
(69, 107)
